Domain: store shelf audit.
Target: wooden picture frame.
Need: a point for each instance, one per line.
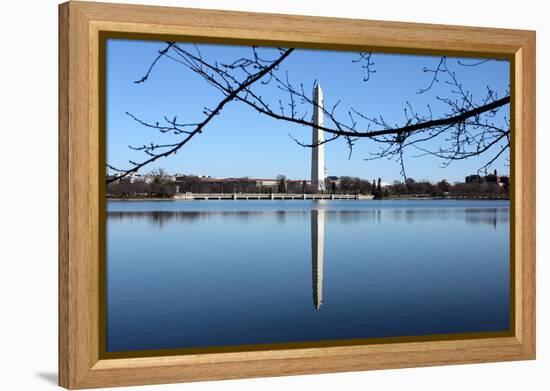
(82, 161)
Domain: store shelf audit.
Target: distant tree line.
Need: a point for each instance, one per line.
(125, 188)
(160, 185)
(444, 189)
(350, 185)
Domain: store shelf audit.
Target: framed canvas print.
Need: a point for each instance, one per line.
(247, 195)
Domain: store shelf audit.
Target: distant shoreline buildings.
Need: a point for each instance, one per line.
(494, 178)
(274, 183)
(166, 185)
(161, 183)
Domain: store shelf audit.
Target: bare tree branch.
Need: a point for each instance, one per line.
(173, 148)
(465, 130)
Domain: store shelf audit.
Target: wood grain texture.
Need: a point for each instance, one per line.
(526, 214)
(80, 169)
(63, 200)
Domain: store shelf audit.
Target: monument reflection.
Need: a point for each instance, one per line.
(317, 254)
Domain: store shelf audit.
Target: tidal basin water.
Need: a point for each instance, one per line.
(186, 274)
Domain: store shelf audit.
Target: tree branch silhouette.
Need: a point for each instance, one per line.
(210, 114)
(464, 131)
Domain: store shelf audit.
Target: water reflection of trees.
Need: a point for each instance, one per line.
(492, 217)
(160, 218)
(489, 216)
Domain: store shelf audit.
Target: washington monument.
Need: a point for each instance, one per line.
(318, 149)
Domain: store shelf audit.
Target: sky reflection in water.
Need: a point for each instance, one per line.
(211, 273)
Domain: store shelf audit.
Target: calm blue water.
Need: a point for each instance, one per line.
(210, 273)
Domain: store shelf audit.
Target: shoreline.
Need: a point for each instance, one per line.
(135, 199)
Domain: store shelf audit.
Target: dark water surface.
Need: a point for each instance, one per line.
(209, 273)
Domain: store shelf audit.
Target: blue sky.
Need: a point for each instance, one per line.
(240, 142)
